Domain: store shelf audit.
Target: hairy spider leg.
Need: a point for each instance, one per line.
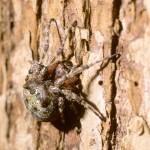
(60, 50)
(76, 71)
(82, 68)
(46, 32)
(61, 104)
(74, 97)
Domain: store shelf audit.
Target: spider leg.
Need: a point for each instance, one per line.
(61, 105)
(46, 45)
(74, 97)
(76, 71)
(59, 51)
(46, 35)
(82, 68)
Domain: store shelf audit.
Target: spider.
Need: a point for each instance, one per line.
(49, 87)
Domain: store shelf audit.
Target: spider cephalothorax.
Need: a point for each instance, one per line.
(49, 87)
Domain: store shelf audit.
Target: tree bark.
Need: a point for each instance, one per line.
(120, 88)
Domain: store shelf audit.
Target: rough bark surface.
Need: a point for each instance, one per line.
(120, 90)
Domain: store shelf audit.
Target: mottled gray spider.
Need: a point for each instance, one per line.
(48, 87)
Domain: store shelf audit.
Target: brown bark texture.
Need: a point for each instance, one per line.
(119, 88)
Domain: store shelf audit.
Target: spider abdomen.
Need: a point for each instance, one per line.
(42, 104)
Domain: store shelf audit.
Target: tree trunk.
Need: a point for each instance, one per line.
(120, 88)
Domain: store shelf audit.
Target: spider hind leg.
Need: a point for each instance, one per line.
(74, 97)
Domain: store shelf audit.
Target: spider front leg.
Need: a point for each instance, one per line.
(46, 45)
(77, 70)
(60, 50)
(74, 97)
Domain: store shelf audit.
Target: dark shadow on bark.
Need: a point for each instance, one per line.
(72, 118)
